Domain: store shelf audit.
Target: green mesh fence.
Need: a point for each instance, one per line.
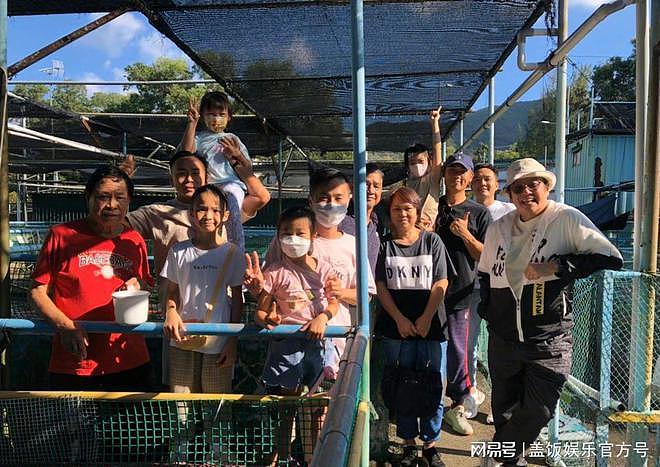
(80, 430)
(616, 347)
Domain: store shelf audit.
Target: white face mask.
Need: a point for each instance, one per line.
(329, 215)
(418, 170)
(294, 246)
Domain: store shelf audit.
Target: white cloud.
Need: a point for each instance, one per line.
(93, 88)
(113, 37)
(118, 74)
(588, 3)
(107, 64)
(155, 45)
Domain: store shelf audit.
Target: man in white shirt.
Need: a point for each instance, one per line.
(485, 186)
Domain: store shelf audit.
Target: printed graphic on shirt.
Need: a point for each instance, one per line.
(108, 263)
(498, 265)
(409, 273)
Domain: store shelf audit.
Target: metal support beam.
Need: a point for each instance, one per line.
(460, 130)
(4, 188)
(642, 58)
(551, 62)
(62, 41)
(491, 129)
(360, 194)
(560, 102)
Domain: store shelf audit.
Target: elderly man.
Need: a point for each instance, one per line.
(530, 260)
(461, 224)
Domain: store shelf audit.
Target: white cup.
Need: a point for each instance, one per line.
(131, 306)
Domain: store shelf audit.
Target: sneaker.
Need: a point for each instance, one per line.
(490, 462)
(432, 457)
(409, 456)
(471, 402)
(457, 421)
(489, 418)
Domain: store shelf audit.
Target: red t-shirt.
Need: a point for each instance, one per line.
(82, 270)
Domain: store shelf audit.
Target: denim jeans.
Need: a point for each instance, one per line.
(418, 354)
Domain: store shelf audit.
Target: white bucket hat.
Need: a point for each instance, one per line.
(529, 168)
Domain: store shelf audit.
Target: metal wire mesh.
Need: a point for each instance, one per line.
(616, 347)
(78, 430)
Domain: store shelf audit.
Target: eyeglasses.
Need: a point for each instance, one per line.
(520, 186)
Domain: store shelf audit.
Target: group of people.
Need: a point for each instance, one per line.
(448, 262)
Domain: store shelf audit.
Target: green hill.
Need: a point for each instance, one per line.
(508, 128)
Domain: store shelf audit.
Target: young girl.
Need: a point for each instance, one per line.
(220, 149)
(294, 294)
(411, 279)
(198, 272)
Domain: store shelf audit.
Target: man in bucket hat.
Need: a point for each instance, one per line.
(461, 224)
(531, 258)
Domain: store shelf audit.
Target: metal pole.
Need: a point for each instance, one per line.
(4, 189)
(560, 101)
(444, 151)
(460, 130)
(360, 195)
(61, 42)
(159, 82)
(491, 129)
(603, 12)
(641, 93)
(279, 179)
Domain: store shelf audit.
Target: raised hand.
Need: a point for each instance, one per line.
(254, 277)
(193, 109)
(434, 116)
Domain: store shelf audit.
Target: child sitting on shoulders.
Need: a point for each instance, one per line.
(197, 273)
(220, 149)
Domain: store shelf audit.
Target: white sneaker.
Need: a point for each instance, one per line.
(456, 419)
(489, 418)
(471, 402)
(489, 462)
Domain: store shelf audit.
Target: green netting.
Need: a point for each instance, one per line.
(84, 431)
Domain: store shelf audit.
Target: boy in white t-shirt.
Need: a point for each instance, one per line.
(198, 272)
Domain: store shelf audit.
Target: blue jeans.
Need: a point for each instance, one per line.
(418, 354)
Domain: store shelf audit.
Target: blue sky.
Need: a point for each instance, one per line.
(104, 53)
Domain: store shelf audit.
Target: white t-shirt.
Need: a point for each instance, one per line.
(518, 257)
(196, 272)
(500, 208)
(340, 253)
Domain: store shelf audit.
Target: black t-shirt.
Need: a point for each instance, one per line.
(409, 272)
(460, 289)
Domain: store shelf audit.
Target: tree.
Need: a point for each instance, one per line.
(109, 102)
(34, 92)
(540, 132)
(68, 97)
(615, 79)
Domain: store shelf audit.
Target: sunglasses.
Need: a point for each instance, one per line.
(519, 187)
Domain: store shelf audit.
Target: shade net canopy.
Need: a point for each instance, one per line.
(289, 61)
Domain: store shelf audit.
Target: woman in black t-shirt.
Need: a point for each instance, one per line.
(412, 278)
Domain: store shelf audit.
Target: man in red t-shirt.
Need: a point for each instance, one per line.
(79, 267)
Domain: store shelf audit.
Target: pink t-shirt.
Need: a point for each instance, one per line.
(298, 291)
